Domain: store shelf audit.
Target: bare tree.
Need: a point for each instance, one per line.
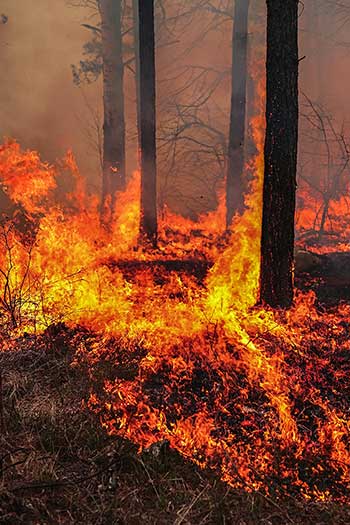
(277, 240)
(18, 287)
(113, 100)
(148, 219)
(193, 105)
(234, 178)
(328, 151)
(135, 12)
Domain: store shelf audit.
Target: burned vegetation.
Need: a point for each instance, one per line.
(175, 340)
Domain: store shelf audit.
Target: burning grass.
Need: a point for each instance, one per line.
(171, 347)
(285, 435)
(59, 466)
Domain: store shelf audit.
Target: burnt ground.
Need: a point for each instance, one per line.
(58, 466)
(327, 275)
(161, 268)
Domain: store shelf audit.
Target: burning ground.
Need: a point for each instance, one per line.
(60, 466)
(167, 350)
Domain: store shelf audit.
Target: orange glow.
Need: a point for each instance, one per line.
(335, 236)
(228, 384)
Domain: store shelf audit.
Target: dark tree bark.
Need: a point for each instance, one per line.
(135, 9)
(148, 220)
(234, 178)
(277, 241)
(113, 179)
(312, 69)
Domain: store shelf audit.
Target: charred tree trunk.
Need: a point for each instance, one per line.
(148, 220)
(316, 53)
(137, 67)
(311, 39)
(277, 242)
(113, 178)
(234, 178)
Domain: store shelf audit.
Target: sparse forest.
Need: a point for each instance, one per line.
(175, 262)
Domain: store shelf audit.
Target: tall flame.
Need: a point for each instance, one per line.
(230, 385)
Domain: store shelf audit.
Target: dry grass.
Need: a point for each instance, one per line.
(59, 467)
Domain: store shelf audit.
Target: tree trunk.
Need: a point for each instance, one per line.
(148, 220)
(234, 179)
(113, 178)
(277, 241)
(312, 66)
(135, 10)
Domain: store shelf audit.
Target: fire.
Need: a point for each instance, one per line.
(335, 236)
(251, 393)
(18, 166)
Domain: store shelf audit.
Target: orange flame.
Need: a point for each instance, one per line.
(230, 385)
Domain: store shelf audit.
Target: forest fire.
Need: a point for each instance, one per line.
(255, 394)
(335, 235)
(207, 314)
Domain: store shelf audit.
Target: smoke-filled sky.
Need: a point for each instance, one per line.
(39, 104)
(42, 108)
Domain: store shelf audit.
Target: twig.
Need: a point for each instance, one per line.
(2, 424)
(181, 518)
(60, 483)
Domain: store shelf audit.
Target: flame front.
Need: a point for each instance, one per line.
(254, 394)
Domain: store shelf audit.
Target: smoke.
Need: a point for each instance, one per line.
(39, 104)
(42, 108)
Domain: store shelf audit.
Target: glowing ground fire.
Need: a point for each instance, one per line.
(257, 395)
